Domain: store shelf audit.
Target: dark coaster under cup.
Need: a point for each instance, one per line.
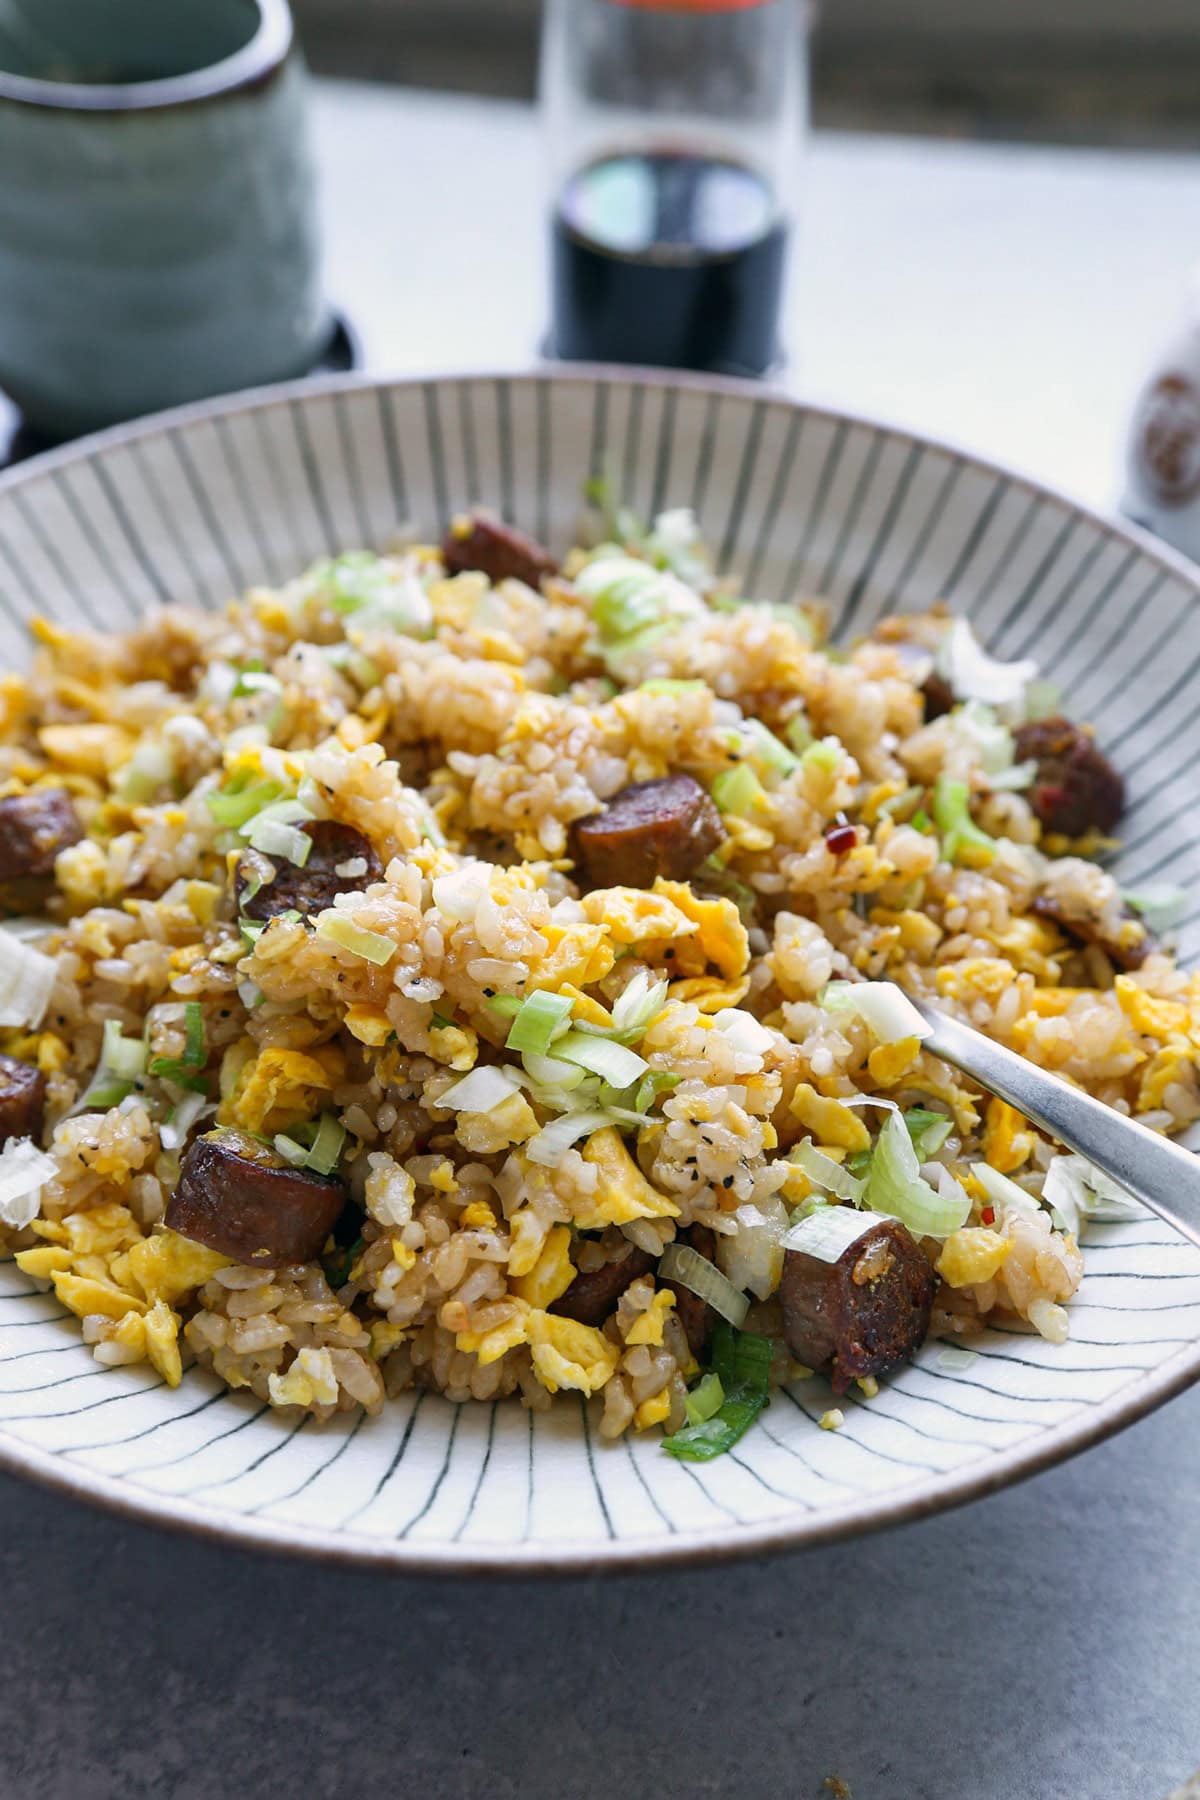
(19, 441)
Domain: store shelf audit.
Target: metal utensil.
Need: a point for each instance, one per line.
(1151, 1168)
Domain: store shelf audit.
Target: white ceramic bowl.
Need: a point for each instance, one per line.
(196, 504)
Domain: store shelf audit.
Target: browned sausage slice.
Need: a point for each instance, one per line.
(1129, 951)
(34, 827)
(239, 1198)
(862, 1314)
(653, 828)
(477, 540)
(694, 1314)
(593, 1294)
(315, 886)
(939, 697)
(1076, 789)
(22, 1099)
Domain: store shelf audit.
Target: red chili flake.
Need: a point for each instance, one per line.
(841, 839)
(988, 1215)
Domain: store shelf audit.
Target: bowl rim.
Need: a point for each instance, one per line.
(710, 1544)
(255, 62)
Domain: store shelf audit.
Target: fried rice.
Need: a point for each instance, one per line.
(463, 728)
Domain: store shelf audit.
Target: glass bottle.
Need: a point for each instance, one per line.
(674, 132)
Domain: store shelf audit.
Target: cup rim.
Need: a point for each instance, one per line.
(253, 63)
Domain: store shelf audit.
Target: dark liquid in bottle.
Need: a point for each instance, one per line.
(669, 259)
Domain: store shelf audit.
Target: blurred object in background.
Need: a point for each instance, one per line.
(673, 133)
(1162, 463)
(158, 233)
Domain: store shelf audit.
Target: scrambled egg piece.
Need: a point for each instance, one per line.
(167, 1266)
(575, 954)
(722, 938)
(1157, 1018)
(971, 1255)
(828, 1120)
(490, 1346)
(647, 1328)
(653, 1411)
(278, 1089)
(551, 1275)
(1007, 1140)
(622, 1192)
(889, 1063)
(369, 1024)
(310, 1379)
(527, 1234)
(631, 915)
(160, 1333)
(568, 1354)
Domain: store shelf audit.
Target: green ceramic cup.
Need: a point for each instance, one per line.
(158, 229)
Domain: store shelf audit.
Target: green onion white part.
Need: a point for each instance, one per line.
(1161, 904)
(972, 674)
(372, 946)
(679, 1262)
(549, 1144)
(1075, 1190)
(481, 1091)
(885, 1008)
(896, 1186)
(24, 1171)
(26, 982)
(829, 1233)
(827, 1174)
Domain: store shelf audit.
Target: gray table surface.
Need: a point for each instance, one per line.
(1044, 1643)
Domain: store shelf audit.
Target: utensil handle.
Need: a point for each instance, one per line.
(1152, 1168)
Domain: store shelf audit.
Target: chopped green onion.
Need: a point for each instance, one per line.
(485, 1088)
(440, 1022)
(257, 681)
(742, 1364)
(150, 768)
(920, 820)
(639, 1002)
(827, 1234)
(972, 674)
(613, 1062)
(895, 1186)
(121, 1056)
(1006, 1194)
(548, 1145)
(291, 1151)
(274, 831)
(179, 1121)
(27, 980)
(769, 756)
(798, 735)
(705, 1399)
(898, 802)
(552, 1072)
(234, 805)
(825, 755)
(1161, 905)
(886, 1010)
(327, 1145)
(541, 1018)
(747, 1035)
(826, 1173)
(737, 791)
(679, 1262)
(338, 1265)
(372, 946)
(24, 1170)
(928, 1131)
(508, 1004)
(661, 685)
(952, 816)
(183, 1069)
(658, 1081)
